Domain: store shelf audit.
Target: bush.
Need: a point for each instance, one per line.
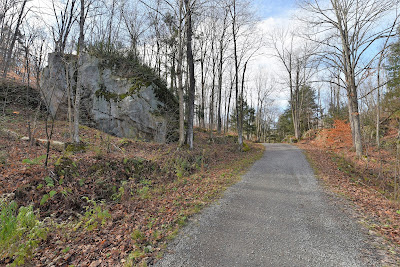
(95, 214)
(339, 136)
(20, 232)
(245, 147)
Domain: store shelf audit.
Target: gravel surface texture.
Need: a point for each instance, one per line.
(277, 215)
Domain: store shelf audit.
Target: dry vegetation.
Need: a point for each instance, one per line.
(117, 201)
(368, 182)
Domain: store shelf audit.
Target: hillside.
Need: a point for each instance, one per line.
(369, 183)
(112, 201)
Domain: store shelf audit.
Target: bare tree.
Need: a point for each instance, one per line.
(136, 24)
(190, 62)
(180, 76)
(178, 8)
(348, 28)
(12, 17)
(203, 43)
(264, 87)
(10, 49)
(65, 19)
(81, 44)
(295, 56)
(223, 43)
(213, 68)
(228, 102)
(382, 56)
(235, 51)
(244, 48)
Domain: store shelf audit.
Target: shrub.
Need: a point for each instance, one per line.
(94, 214)
(245, 147)
(182, 167)
(20, 232)
(35, 161)
(339, 136)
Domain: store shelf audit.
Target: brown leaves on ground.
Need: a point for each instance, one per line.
(376, 168)
(359, 181)
(150, 190)
(337, 137)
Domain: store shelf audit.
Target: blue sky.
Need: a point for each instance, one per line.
(271, 8)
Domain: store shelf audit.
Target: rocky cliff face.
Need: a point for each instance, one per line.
(123, 103)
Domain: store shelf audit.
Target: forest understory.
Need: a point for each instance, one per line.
(111, 202)
(367, 184)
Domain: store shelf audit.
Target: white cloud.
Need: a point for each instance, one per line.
(269, 64)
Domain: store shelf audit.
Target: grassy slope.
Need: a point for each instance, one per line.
(148, 189)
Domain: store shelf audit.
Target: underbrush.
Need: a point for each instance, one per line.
(370, 181)
(20, 232)
(376, 168)
(118, 201)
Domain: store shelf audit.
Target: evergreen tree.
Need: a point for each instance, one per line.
(308, 114)
(249, 120)
(336, 113)
(391, 99)
(285, 124)
(308, 109)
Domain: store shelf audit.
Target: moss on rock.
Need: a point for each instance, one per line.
(75, 148)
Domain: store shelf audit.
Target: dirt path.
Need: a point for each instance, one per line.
(276, 216)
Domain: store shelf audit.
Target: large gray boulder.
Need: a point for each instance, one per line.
(119, 101)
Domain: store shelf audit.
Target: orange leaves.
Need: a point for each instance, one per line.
(379, 212)
(337, 137)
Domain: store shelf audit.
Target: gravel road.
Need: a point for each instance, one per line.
(277, 215)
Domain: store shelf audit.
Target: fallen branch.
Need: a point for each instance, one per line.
(57, 145)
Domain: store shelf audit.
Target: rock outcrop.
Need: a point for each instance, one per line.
(126, 100)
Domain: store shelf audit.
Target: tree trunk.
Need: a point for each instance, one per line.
(110, 25)
(77, 104)
(173, 72)
(355, 118)
(220, 66)
(227, 109)
(7, 60)
(297, 104)
(180, 80)
(203, 94)
(239, 110)
(378, 114)
(238, 100)
(212, 96)
(351, 118)
(220, 75)
(190, 62)
(351, 88)
(296, 124)
(81, 43)
(294, 99)
(69, 95)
